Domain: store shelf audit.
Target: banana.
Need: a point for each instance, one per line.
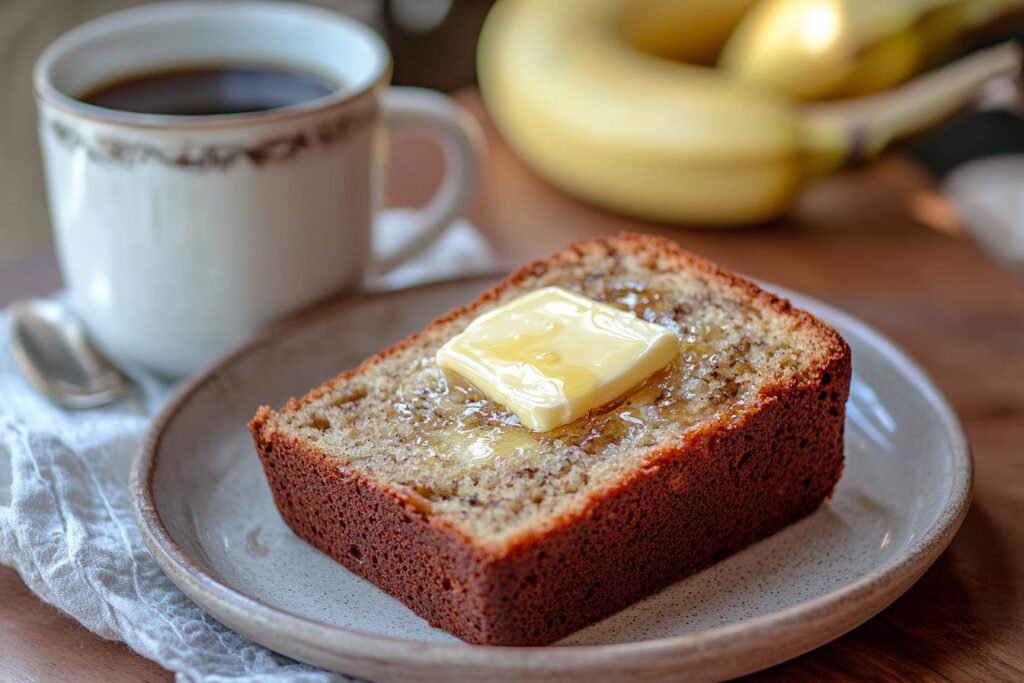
(890, 61)
(629, 130)
(817, 49)
(583, 91)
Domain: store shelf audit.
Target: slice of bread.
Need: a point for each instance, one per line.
(499, 535)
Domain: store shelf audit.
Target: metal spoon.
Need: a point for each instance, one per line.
(53, 350)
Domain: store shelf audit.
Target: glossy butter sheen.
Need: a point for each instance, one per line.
(552, 355)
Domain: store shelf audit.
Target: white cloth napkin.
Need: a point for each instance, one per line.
(66, 525)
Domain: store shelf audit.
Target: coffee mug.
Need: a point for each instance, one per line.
(179, 236)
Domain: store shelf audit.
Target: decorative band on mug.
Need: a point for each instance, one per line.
(107, 149)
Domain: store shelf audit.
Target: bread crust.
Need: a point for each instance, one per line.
(723, 486)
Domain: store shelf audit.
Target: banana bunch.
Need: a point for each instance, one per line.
(619, 102)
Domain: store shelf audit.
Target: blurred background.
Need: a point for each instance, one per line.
(435, 43)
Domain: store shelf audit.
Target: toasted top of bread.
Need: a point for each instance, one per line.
(434, 440)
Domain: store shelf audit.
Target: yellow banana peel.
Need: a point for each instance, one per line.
(593, 95)
(817, 49)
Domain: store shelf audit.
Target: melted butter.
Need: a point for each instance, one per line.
(458, 421)
(552, 355)
(475, 445)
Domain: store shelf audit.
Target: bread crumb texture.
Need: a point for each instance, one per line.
(401, 422)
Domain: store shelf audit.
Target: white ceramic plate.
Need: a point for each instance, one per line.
(206, 512)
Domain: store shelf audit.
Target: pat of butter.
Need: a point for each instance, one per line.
(552, 355)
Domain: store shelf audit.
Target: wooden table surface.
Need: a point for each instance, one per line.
(850, 242)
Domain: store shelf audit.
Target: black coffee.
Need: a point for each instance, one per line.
(206, 91)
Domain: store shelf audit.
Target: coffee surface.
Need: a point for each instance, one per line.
(210, 90)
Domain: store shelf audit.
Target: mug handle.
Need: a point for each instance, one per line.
(460, 138)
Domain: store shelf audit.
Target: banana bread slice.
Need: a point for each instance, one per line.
(413, 480)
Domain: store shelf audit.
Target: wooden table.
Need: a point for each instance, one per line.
(852, 243)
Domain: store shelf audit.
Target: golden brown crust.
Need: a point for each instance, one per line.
(721, 488)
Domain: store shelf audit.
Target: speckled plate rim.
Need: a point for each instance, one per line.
(725, 651)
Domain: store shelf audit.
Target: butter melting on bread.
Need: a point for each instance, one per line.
(552, 355)
(415, 480)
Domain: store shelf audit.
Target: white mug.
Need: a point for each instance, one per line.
(179, 236)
